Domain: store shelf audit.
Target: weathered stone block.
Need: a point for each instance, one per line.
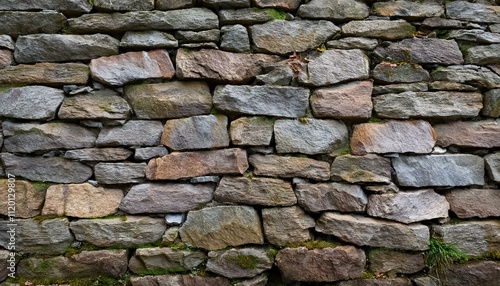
(473, 75)
(97, 105)
(491, 102)
(179, 280)
(29, 198)
(409, 10)
(483, 55)
(474, 12)
(66, 6)
(468, 203)
(344, 10)
(484, 273)
(383, 29)
(287, 5)
(387, 72)
(147, 153)
(132, 133)
(377, 282)
(235, 39)
(98, 154)
(289, 167)
(239, 263)
(362, 169)
(45, 73)
(6, 58)
(119, 173)
(478, 134)
(6, 42)
(493, 166)
(154, 260)
(147, 40)
(245, 16)
(331, 196)
(22, 23)
(251, 131)
(283, 226)
(476, 35)
(349, 43)
(173, 4)
(30, 102)
(124, 5)
(390, 261)
(199, 36)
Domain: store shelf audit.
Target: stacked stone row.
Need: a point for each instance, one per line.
(163, 140)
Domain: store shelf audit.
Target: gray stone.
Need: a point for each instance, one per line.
(120, 231)
(398, 88)
(259, 280)
(382, 189)
(477, 134)
(173, 4)
(196, 132)
(383, 29)
(179, 280)
(353, 43)
(66, 6)
(468, 203)
(47, 237)
(363, 231)
(484, 273)
(492, 162)
(45, 73)
(147, 153)
(166, 198)
(121, 5)
(6, 42)
(148, 40)
(439, 170)
(478, 36)
(288, 5)
(30, 102)
(390, 261)
(491, 103)
(218, 227)
(235, 39)
(451, 86)
(173, 219)
(409, 206)
(246, 16)
(283, 226)
(22, 23)
(63, 48)
(205, 179)
(29, 198)
(198, 46)
(281, 73)
(217, 4)
(409, 10)
(255, 191)
(474, 12)
(97, 105)
(377, 282)
(425, 281)
(423, 51)
(198, 36)
(331, 196)
(439, 104)
(5, 264)
(495, 28)
(283, 37)
(132, 133)
(52, 169)
(251, 131)
(154, 260)
(282, 101)
(239, 263)
(98, 154)
(387, 72)
(482, 55)
(436, 22)
(362, 169)
(338, 10)
(290, 167)
(473, 75)
(183, 19)
(119, 173)
(314, 136)
(334, 66)
(32, 137)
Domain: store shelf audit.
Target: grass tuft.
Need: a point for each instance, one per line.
(441, 256)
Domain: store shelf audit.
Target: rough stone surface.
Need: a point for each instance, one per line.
(479, 134)
(451, 86)
(377, 282)
(30, 102)
(6, 42)
(147, 153)
(119, 173)
(98, 154)
(28, 197)
(491, 102)
(66, 200)
(217, 4)
(390, 261)
(235, 39)
(362, 231)
(350, 101)
(290, 167)
(475, 12)
(288, 5)
(353, 43)
(22, 23)
(132, 133)
(314, 136)
(386, 72)
(321, 265)
(66, 6)
(439, 170)
(400, 87)
(383, 29)
(251, 131)
(337, 10)
(4, 264)
(154, 260)
(407, 9)
(121, 231)
(382, 189)
(218, 227)
(179, 280)
(97, 105)
(199, 36)
(127, 5)
(362, 169)
(416, 136)
(479, 36)
(179, 165)
(283, 226)
(259, 280)
(484, 273)
(255, 191)
(473, 75)
(482, 55)
(492, 162)
(468, 203)
(166, 198)
(331, 196)
(173, 4)
(148, 40)
(45, 73)
(231, 263)
(244, 16)
(6, 58)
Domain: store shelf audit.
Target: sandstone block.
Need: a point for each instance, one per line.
(119, 173)
(98, 154)
(362, 169)
(478, 134)
(484, 273)
(345, 10)
(251, 131)
(468, 203)
(97, 105)
(154, 260)
(287, 5)
(6, 58)
(132, 133)
(30, 102)
(331, 196)
(286, 225)
(391, 261)
(45, 73)
(383, 29)
(238, 263)
(28, 197)
(408, 10)
(289, 167)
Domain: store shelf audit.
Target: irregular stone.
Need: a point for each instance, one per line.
(166, 198)
(218, 227)
(251, 131)
(439, 170)
(475, 35)
(97, 105)
(217, 4)
(6, 42)
(155, 260)
(387, 72)
(290, 167)
(173, 4)
(416, 136)
(495, 28)
(132, 66)
(436, 22)
(288, 5)
(377, 282)
(478, 134)
(179, 165)
(66, 200)
(28, 198)
(198, 46)
(6, 58)
(452, 86)
(410, 10)
(350, 101)
(484, 273)
(382, 189)
(98, 154)
(21, 23)
(197, 132)
(184, 19)
(493, 166)
(362, 231)
(52, 169)
(398, 88)
(314, 136)
(344, 10)
(473, 75)
(45, 73)
(321, 265)
(483, 55)
(119, 173)
(468, 203)
(5, 264)
(425, 281)
(331, 196)
(383, 29)
(474, 12)
(66, 6)
(51, 236)
(246, 16)
(30, 102)
(280, 73)
(282, 101)
(179, 280)
(423, 51)
(120, 231)
(198, 36)
(362, 169)
(334, 66)
(259, 280)
(63, 48)
(283, 226)
(147, 153)
(148, 40)
(108, 263)
(132, 133)
(220, 66)
(439, 104)
(32, 137)
(283, 37)
(491, 102)
(353, 43)
(235, 39)
(390, 261)
(472, 237)
(239, 263)
(128, 5)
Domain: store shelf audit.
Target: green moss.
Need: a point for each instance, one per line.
(42, 218)
(374, 120)
(441, 256)
(344, 151)
(275, 14)
(246, 261)
(314, 244)
(493, 255)
(5, 87)
(367, 275)
(271, 253)
(362, 175)
(40, 186)
(303, 120)
(214, 111)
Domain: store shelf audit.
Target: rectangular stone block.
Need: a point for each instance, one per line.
(22, 23)
(46, 73)
(66, 6)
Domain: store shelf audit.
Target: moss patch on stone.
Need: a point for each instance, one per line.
(314, 244)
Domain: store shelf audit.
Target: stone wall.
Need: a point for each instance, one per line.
(250, 142)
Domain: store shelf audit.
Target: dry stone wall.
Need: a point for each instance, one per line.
(249, 142)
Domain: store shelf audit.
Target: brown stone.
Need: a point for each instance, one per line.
(98, 154)
(289, 167)
(28, 198)
(288, 5)
(362, 169)
(481, 273)
(393, 137)
(391, 261)
(252, 131)
(283, 226)
(479, 134)
(179, 280)
(231, 263)
(351, 100)
(194, 164)
(6, 58)
(331, 196)
(97, 105)
(468, 203)
(163, 259)
(377, 282)
(46, 73)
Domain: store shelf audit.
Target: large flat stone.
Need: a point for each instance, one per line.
(410, 10)
(336, 10)
(484, 273)
(173, 4)
(492, 162)
(362, 169)
(97, 105)
(46, 73)
(383, 29)
(119, 173)
(439, 170)
(251, 131)
(28, 198)
(287, 5)
(98, 154)
(22, 23)
(473, 75)
(331, 196)
(132, 133)
(468, 203)
(483, 55)
(212, 35)
(475, 12)
(66, 6)
(475, 35)
(377, 282)
(239, 263)
(164, 259)
(147, 40)
(387, 72)
(30, 102)
(179, 280)
(124, 5)
(244, 16)
(290, 167)
(390, 261)
(478, 134)
(283, 226)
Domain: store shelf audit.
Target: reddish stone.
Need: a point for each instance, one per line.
(479, 134)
